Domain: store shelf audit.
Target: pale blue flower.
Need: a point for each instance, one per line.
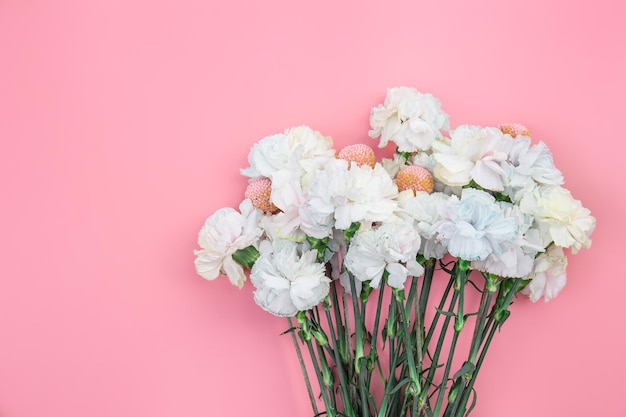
(475, 226)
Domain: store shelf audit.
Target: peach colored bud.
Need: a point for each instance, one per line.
(514, 129)
(259, 191)
(360, 154)
(415, 178)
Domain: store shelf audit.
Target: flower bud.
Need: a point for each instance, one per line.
(320, 337)
(259, 192)
(514, 129)
(360, 154)
(415, 178)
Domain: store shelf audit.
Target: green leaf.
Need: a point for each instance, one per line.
(503, 197)
(246, 257)
(505, 315)
(467, 368)
(351, 231)
(400, 385)
(366, 290)
(445, 313)
(471, 407)
(405, 155)
(290, 330)
(320, 245)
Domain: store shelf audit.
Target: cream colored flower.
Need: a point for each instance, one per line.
(560, 218)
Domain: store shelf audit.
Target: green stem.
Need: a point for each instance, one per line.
(339, 320)
(429, 269)
(388, 402)
(442, 334)
(343, 381)
(477, 337)
(307, 381)
(446, 372)
(373, 351)
(359, 360)
(461, 273)
(414, 388)
(330, 411)
(496, 319)
(327, 375)
(433, 324)
(412, 335)
(485, 302)
(348, 332)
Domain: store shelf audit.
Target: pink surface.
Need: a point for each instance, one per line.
(124, 125)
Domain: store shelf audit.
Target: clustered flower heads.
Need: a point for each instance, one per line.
(486, 195)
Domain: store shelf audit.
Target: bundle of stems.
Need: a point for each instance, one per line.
(401, 361)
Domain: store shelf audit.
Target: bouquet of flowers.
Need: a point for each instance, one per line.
(347, 247)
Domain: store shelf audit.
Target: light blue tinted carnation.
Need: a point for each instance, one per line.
(475, 227)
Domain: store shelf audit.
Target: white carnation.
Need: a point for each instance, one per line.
(393, 246)
(473, 153)
(529, 166)
(287, 282)
(340, 195)
(409, 118)
(426, 210)
(224, 233)
(300, 149)
(548, 277)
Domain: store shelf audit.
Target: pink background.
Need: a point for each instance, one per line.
(124, 125)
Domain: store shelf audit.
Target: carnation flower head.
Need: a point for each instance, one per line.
(529, 166)
(392, 246)
(415, 178)
(560, 218)
(473, 153)
(409, 118)
(518, 261)
(224, 233)
(299, 149)
(475, 227)
(339, 196)
(426, 210)
(548, 277)
(359, 153)
(259, 192)
(514, 129)
(289, 280)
